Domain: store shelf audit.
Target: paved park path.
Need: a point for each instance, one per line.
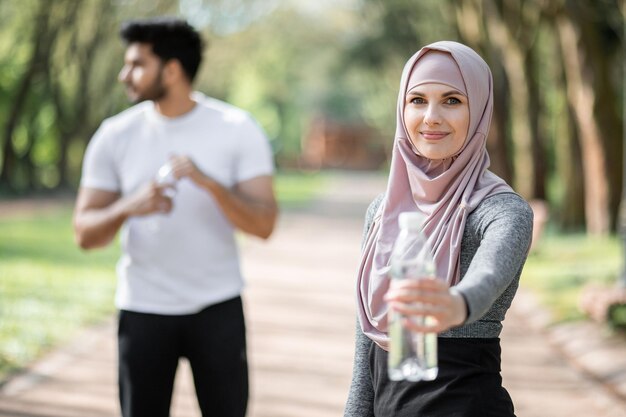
(300, 309)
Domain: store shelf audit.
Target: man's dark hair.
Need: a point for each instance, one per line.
(171, 38)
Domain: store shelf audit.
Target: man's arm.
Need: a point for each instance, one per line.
(250, 206)
(99, 214)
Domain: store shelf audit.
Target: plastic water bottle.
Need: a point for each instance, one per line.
(412, 356)
(166, 180)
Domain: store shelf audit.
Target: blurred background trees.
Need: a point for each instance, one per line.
(558, 69)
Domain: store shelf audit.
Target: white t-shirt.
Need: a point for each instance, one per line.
(183, 261)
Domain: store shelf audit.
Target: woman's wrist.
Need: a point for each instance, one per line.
(460, 307)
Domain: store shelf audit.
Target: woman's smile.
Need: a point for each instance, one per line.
(434, 135)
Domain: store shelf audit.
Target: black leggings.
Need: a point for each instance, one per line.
(213, 341)
(468, 385)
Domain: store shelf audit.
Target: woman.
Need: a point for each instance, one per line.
(480, 233)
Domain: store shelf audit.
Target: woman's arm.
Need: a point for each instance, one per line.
(503, 228)
(504, 224)
(360, 401)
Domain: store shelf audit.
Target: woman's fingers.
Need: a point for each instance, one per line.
(424, 290)
(423, 283)
(417, 296)
(420, 317)
(428, 305)
(417, 309)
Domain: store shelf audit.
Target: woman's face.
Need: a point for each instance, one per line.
(437, 119)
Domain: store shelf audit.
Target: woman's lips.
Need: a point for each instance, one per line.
(434, 135)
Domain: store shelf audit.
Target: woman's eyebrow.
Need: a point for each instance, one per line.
(446, 94)
(452, 93)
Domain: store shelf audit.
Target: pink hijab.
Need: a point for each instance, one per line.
(444, 191)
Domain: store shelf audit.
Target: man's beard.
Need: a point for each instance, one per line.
(154, 92)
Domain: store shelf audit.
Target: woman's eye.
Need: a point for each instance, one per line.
(453, 100)
(417, 100)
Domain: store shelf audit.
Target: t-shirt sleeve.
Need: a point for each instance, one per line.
(99, 167)
(255, 156)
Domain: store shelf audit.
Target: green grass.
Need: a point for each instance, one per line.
(562, 265)
(49, 288)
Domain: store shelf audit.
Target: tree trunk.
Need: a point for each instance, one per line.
(497, 145)
(569, 161)
(604, 53)
(72, 112)
(469, 23)
(513, 62)
(581, 96)
(9, 159)
(537, 141)
(567, 154)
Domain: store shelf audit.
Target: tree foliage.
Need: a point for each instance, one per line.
(558, 75)
(557, 64)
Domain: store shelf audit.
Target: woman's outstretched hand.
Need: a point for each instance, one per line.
(427, 297)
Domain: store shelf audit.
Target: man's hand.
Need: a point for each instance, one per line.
(183, 166)
(149, 199)
(99, 214)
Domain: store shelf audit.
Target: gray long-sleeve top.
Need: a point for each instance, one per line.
(495, 244)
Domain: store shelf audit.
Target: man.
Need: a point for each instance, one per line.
(179, 281)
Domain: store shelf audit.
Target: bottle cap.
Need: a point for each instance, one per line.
(411, 220)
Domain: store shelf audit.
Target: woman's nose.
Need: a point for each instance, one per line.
(432, 115)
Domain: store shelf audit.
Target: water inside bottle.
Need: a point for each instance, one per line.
(403, 360)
